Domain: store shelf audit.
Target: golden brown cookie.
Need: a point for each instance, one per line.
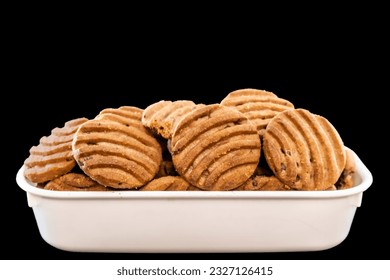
(263, 183)
(304, 150)
(52, 157)
(116, 150)
(169, 183)
(163, 116)
(74, 182)
(346, 180)
(259, 106)
(215, 148)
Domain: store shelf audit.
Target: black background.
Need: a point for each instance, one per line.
(58, 80)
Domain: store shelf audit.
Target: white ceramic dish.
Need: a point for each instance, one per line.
(232, 221)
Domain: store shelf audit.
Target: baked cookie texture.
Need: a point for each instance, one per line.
(304, 150)
(346, 179)
(163, 116)
(53, 156)
(252, 140)
(169, 183)
(74, 182)
(259, 106)
(116, 150)
(263, 183)
(215, 148)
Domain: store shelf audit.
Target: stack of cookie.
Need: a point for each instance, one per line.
(252, 140)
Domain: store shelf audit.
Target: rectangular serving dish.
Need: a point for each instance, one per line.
(215, 221)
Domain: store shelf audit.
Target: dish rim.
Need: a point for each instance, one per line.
(361, 171)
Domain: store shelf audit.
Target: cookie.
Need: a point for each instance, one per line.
(169, 183)
(346, 179)
(53, 156)
(74, 182)
(116, 150)
(215, 148)
(263, 183)
(259, 106)
(162, 116)
(264, 180)
(304, 150)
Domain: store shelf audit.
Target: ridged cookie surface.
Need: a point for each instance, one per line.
(215, 148)
(263, 183)
(53, 156)
(169, 183)
(304, 150)
(116, 150)
(163, 116)
(259, 106)
(263, 180)
(346, 179)
(74, 182)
